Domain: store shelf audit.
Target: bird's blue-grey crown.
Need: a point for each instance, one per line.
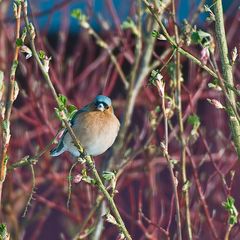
(103, 99)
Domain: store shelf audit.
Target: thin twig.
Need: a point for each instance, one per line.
(181, 128)
(227, 234)
(174, 180)
(201, 196)
(30, 198)
(70, 183)
(28, 160)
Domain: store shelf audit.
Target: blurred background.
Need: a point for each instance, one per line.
(83, 67)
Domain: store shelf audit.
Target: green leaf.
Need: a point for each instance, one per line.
(130, 24)
(57, 111)
(153, 77)
(157, 109)
(3, 231)
(62, 100)
(72, 114)
(69, 178)
(232, 210)
(71, 109)
(186, 186)
(18, 2)
(76, 13)
(84, 172)
(31, 30)
(5, 125)
(41, 54)
(107, 175)
(233, 220)
(229, 203)
(212, 85)
(195, 38)
(6, 160)
(81, 17)
(24, 31)
(193, 120)
(155, 34)
(19, 42)
(174, 162)
(89, 180)
(200, 37)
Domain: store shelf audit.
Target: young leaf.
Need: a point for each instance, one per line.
(130, 24)
(71, 109)
(107, 175)
(17, 2)
(155, 34)
(62, 100)
(201, 37)
(3, 231)
(41, 54)
(232, 210)
(19, 42)
(186, 186)
(76, 13)
(193, 120)
(81, 17)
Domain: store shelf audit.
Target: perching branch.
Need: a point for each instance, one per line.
(88, 159)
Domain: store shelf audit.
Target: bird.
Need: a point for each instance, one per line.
(96, 127)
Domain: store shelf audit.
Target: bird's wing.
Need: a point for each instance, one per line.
(84, 109)
(60, 147)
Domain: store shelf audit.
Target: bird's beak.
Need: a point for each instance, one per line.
(100, 107)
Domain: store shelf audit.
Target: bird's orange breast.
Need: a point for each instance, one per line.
(96, 129)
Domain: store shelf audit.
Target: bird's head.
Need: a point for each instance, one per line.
(102, 103)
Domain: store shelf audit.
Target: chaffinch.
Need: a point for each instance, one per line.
(96, 127)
